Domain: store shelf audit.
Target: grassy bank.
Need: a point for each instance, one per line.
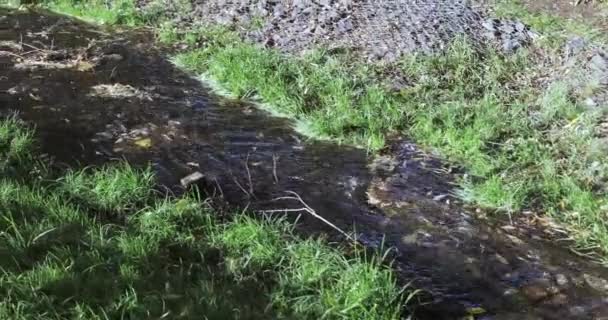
(101, 243)
(524, 147)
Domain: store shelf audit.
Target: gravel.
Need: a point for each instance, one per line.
(380, 29)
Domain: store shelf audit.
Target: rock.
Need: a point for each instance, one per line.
(599, 62)
(104, 135)
(589, 102)
(112, 57)
(574, 46)
(535, 292)
(577, 311)
(191, 178)
(440, 197)
(596, 282)
(501, 259)
(561, 280)
(558, 300)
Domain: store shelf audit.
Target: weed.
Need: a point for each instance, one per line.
(252, 244)
(113, 188)
(99, 11)
(554, 30)
(318, 282)
(16, 142)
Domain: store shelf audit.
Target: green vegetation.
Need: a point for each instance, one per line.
(99, 11)
(99, 243)
(554, 30)
(525, 147)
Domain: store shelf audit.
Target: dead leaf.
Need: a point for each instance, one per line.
(144, 143)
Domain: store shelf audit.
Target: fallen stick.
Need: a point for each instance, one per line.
(309, 210)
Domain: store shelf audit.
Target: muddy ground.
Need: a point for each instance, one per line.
(98, 95)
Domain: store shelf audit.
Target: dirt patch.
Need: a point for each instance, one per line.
(379, 29)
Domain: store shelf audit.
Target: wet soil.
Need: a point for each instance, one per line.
(98, 95)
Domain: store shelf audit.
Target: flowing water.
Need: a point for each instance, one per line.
(97, 95)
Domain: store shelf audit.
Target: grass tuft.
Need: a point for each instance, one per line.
(99, 11)
(114, 188)
(16, 142)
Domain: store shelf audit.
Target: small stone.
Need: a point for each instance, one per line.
(501, 259)
(191, 178)
(113, 57)
(440, 197)
(577, 311)
(173, 123)
(561, 280)
(589, 102)
(575, 45)
(535, 292)
(558, 300)
(599, 62)
(596, 283)
(515, 240)
(104, 135)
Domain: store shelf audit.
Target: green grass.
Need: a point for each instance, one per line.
(16, 142)
(109, 188)
(99, 11)
(99, 243)
(554, 30)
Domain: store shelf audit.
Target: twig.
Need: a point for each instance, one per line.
(240, 186)
(309, 210)
(249, 174)
(274, 168)
(33, 47)
(13, 54)
(219, 187)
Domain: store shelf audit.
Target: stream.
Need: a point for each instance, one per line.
(96, 95)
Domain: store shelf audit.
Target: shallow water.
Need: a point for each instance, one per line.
(99, 95)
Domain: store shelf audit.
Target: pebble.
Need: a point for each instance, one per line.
(575, 45)
(596, 282)
(561, 280)
(402, 26)
(191, 178)
(589, 102)
(535, 292)
(558, 300)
